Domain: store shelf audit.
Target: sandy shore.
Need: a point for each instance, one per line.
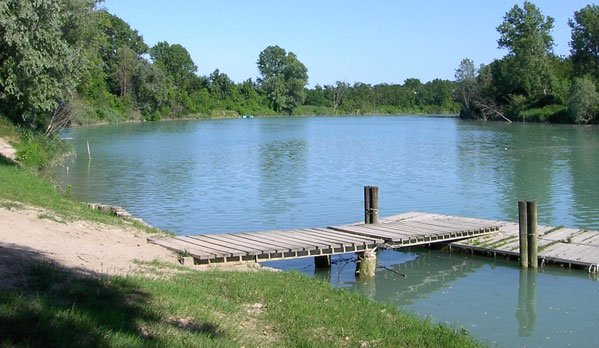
(32, 234)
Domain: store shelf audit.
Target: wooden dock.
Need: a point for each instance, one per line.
(402, 230)
(559, 245)
(565, 246)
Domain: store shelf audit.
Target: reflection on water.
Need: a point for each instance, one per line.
(527, 302)
(491, 298)
(304, 172)
(216, 176)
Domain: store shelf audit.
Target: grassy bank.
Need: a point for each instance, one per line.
(170, 306)
(204, 309)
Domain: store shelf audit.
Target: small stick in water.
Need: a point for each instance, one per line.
(392, 270)
(89, 155)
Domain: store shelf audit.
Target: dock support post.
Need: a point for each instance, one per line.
(371, 204)
(523, 234)
(531, 212)
(323, 261)
(366, 264)
(367, 259)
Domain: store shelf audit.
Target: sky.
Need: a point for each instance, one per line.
(376, 41)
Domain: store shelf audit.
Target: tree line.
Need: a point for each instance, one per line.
(70, 60)
(64, 61)
(531, 83)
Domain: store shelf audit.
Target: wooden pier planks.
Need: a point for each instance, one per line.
(394, 231)
(410, 229)
(266, 245)
(568, 246)
(561, 245)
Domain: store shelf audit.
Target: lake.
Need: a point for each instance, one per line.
(237, 175)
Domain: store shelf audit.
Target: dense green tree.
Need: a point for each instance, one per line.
(283, 78)
(116, 43)
(124, 68)
(465, 76)
(150, 87)
(317, 96)
(175, 61)
(526, 33)
(585, 41)
(43, 50)
(583, 100)
(221, 86)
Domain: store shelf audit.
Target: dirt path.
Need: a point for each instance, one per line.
(30, 234)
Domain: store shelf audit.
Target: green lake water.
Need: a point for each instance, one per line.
(217, 176)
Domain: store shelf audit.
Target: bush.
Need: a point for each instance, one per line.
(548, 113)
(32, 155)
(583, 100)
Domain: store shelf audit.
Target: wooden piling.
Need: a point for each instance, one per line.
(367, 204)
(371, 204)
(366, 264)
(374, 204)
(523, 228)
(531, 217)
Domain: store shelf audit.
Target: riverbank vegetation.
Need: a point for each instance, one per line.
(531, 83)
(71, 62)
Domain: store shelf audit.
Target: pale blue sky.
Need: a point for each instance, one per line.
(374, 42)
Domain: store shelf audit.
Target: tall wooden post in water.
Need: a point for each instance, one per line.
(523, 234)
(531, 216)
(527, 213)
(366, 264)
(371, 204)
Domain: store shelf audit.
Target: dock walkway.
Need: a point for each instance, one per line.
(409, 229)
(564, 246)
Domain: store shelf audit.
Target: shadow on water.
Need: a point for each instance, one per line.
(43, 304)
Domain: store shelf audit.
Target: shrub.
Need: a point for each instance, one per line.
(583, 100)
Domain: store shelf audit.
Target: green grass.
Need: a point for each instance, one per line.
(205, 309)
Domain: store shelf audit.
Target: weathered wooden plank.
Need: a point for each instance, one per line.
(348, 236)
(403, 227)
(296, 237)
(267, 245)
(224, 251)
(169, 244)
(367, 232)
(430, 228)
(237, 239)
(187, 245)
(404, 216)
(561, 234)
(451, 224)
(334, 238)
(281, 246)
(299, 239)
(230, 240)
(587, 237)
(391, 229)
